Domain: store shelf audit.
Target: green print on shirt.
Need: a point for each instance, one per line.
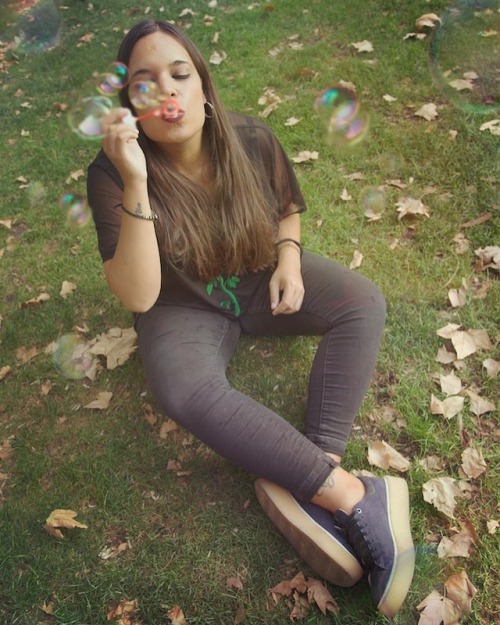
(225, 284)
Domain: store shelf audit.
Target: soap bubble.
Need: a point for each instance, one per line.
(373, 201)
(113, 80)
(144, 94)
(72, 357)
(35, 29)
(86, 117)
(36, 193)
(465, 55)
(76, 208)
(339, 109)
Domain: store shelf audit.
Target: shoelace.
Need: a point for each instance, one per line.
(361, 538)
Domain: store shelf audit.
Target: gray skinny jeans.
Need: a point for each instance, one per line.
(186, 351)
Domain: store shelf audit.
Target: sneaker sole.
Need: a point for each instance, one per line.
(404, 564)
(317, 547)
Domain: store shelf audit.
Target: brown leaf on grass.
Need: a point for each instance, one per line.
(124, 613)
(459, 589)
(6, 223)
(61, 518)
(493, 126)
(357, 259)
(271, 100)
(67, 288)
(118, 344)
(445, 357)
(411, 206)
(479, 405)
(451, 384)
(166, 427)
(492, 367)
(432, 464)
(24, 355)
(382, 455)
(458, 297)
(216, 58)
(6, 451)
(5, 371)
(102, 401)
(149, 415)
(441, 493)
(463, 343)
(345, 195)
(438, 610)
(460, 543)
(449, 407)
(428, 20)
(304, 156)
(317, 592)
(473, 463)
(282, 589)
(363, 46)
(36, 301)
(492, 526)
(176, 616)
(299, 583)
(427, 111)
(234, 582)
(477, 221)
(489, 257)
(462, 244)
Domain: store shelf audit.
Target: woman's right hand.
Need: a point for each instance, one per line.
(121, 146)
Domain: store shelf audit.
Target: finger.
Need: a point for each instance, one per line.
(274, 294)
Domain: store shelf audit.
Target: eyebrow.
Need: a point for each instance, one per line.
(144, 70)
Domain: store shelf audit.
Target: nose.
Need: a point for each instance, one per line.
(167, 87)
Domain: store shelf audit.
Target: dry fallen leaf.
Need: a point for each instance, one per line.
(493, 126)
(428, 20)
(489, 256)
(117, 345)
(382, 455)
(451, 384)
(5, 371)
(61, 518)
(411, 206)
(479, 405)
(318, 592)
(460, 590)
(427, 111)
(176, 616)
(102, 401)
(124, 613)
(460, 543)
(449, 407)
(36, 301)
(234, 582)
(216, 58)
(363, 46)
(167, 427)
(438, 610)
(357, 259)
(305, 156)
(441, 493)
(473, 463)
(492, 526)
(492, 367)
(67, 288)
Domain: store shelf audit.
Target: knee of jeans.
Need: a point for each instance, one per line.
(185, 398)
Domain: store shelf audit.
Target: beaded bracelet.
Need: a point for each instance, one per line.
(151, 217)
(293, 242)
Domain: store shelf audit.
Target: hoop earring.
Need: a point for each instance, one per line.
(211, 108)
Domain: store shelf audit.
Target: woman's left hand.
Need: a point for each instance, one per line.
(286, 288)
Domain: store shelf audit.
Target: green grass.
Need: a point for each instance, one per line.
(188, 534)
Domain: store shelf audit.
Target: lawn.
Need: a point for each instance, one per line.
(414, 206)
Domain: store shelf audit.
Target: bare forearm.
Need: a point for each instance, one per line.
(134, 273)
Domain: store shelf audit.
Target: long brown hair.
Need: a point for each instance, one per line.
(228, 232)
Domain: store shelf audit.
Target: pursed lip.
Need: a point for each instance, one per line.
(173, 120)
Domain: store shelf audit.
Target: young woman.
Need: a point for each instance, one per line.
(197, 215)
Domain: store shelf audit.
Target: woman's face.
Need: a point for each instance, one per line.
(160, 58)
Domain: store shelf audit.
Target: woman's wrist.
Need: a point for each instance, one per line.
(288, 242)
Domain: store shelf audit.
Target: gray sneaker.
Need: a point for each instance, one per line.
(312, 533)
(379, 531)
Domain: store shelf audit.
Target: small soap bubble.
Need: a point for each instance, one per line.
(144, 94)
(86, 117)
(76, 209)
(465, 53)
(373, 201)
(112, 81)
(72, 358)
(339, 109)
(36, 193)
(35, 29)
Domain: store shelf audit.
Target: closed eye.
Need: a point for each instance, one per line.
(182, 76)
